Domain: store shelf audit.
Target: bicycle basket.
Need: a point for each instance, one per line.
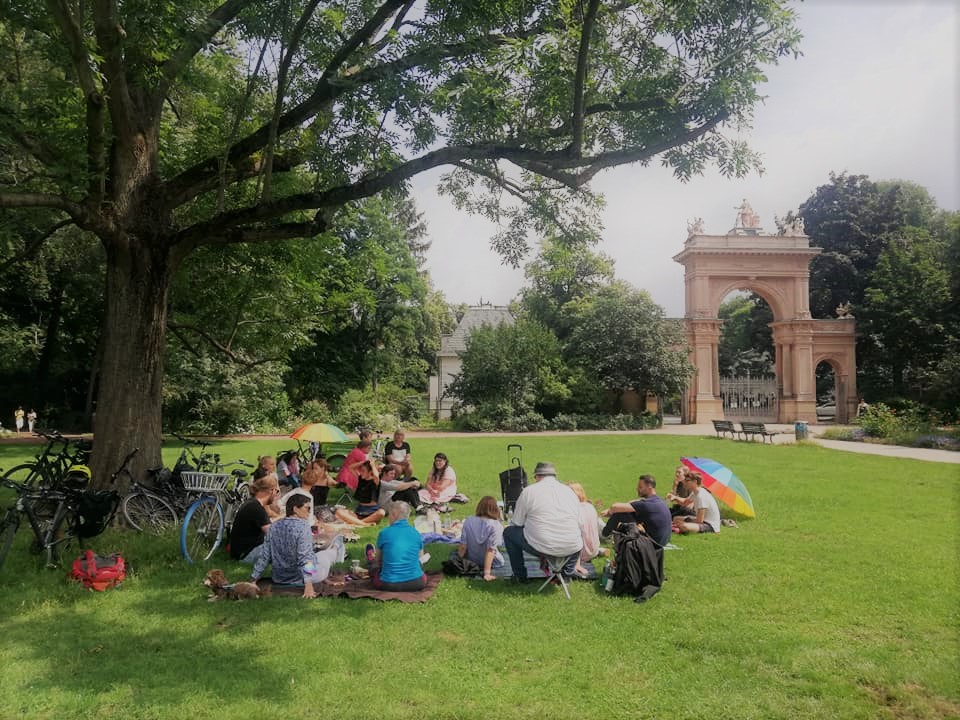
(204, 481)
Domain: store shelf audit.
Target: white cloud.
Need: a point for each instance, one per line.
(875, 93)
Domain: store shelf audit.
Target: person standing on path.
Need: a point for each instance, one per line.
(31, 419)
(18, 419)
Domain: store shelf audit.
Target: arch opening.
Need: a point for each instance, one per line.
(745, 354)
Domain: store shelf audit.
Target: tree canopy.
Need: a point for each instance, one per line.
(163, 127)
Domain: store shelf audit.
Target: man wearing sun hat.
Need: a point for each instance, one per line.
(546, 521)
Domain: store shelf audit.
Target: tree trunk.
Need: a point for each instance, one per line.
(129, 399)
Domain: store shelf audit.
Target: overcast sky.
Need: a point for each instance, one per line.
(874, 93)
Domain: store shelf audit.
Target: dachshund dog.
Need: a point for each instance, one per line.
(221, 589)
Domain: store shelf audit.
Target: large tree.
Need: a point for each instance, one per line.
(626, 342)
(160, 127)
(905, 308)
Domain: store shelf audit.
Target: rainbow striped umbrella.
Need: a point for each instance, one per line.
(723, 484)
(319, 432)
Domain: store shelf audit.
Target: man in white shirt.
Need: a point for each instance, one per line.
(707, 518)
(546, 521)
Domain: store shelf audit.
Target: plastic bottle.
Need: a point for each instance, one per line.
(608, 577)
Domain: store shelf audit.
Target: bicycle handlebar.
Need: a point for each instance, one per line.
(200, 443)
(123, 465)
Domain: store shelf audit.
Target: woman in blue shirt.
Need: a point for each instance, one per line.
(396, 564)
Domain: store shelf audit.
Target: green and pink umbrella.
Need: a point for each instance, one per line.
(723, 484)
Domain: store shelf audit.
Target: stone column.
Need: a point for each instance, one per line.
(703, 336)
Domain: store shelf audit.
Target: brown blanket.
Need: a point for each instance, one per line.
(337, 585)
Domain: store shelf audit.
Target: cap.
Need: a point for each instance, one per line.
(544, 468)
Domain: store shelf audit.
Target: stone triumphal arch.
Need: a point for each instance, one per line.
(777, 268)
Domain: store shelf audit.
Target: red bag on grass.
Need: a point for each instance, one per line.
(99, 572)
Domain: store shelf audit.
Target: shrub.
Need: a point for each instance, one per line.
(527, 422)
(362, 408)
(564, 421)
(938, 442)
(879, 420)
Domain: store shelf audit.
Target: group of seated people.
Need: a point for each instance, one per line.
(556, 519)
(269, 529)
(550, 518)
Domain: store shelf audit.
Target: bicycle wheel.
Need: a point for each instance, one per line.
(336, 461)
(8, 529)
(202, 530)
(61, 535)
(240, 495)
(28, 474)
(146, 512)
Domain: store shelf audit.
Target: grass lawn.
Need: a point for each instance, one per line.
(839, 601)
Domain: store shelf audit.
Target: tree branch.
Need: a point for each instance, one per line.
(580, 78)
(517, 192)
(196, 40)
(81, 61)
(23, 200)
(106, 26)
(184, 186)
(178, 329)
(35, 245)
(295, 37)
(11, 126)
(228, 227)
(368, 30)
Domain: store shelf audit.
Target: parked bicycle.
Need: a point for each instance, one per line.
(211, 514)
(55, 460)
(76, 512)
(189, 460)
(378, 443)
(158, 505)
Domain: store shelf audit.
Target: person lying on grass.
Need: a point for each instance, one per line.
(288, 550)
(396, 563)
(252, 521)
(707, 517)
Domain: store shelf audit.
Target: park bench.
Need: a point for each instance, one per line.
(725, 426)
(751, 429)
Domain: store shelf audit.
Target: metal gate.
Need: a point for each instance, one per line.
(750, 397)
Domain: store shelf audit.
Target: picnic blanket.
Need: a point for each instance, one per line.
(339, 584)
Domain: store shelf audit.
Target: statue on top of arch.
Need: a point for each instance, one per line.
(794, 228)
(694, 228)
(746, 217)
(747, 220)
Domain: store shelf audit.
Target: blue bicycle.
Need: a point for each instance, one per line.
(210, 515)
